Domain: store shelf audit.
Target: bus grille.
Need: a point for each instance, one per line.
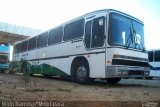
(129, 62)
(136, 73)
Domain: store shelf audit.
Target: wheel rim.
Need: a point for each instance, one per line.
(81, 73)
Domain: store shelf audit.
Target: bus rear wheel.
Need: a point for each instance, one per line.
(81, 72)
(113, 80)
(47, 76)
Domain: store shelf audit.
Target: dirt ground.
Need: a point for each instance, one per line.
(127, 93)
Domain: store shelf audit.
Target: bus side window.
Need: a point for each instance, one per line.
(42, 40)
(98, 32)
(150, 56)
(17, 48)
(157, 56)
(32, 43)
(88, 34)
(74, 30)
(24, 46)
(55, 36)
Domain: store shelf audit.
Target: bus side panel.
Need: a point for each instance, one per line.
(17, 57)
(54, 50)
(64, 64)
(97, 65)
(155, 70)
(96, 58)
(56, 67)
(73, 48)
(32, 55)
(49, 52)
(155, 73)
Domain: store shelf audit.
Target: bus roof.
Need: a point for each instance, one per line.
(113, 10)
(83, 16)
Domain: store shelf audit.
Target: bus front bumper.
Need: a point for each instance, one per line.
(126, 71)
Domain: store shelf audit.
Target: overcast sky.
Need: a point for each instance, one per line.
(45, 14)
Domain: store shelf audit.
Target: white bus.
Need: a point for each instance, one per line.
(105, 44)
(154, 62)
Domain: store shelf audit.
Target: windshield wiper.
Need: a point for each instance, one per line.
(134, 34)
(130, 36)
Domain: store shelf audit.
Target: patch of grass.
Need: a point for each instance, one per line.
(36, 90)
(63, 90)
(24, 79)
(0, 103)
(146, 93)
(14, 87)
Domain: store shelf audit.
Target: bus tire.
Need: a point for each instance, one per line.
(31, 75)
(81, 72)
(113, 80)
(149, 78)
(139, 78)
(47, 76)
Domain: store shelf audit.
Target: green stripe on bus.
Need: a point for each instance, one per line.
(44, 69)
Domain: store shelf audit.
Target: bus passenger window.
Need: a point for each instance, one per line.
(17, 48)
(42, 40)
(24, 46)
(150, 56)
(55, 36)
(32, 43)
(157, 56)
(74, 30)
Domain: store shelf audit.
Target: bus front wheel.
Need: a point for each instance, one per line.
(81, 72)
(149, 78)
(113, 80)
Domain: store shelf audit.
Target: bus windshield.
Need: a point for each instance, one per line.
(125, 32)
